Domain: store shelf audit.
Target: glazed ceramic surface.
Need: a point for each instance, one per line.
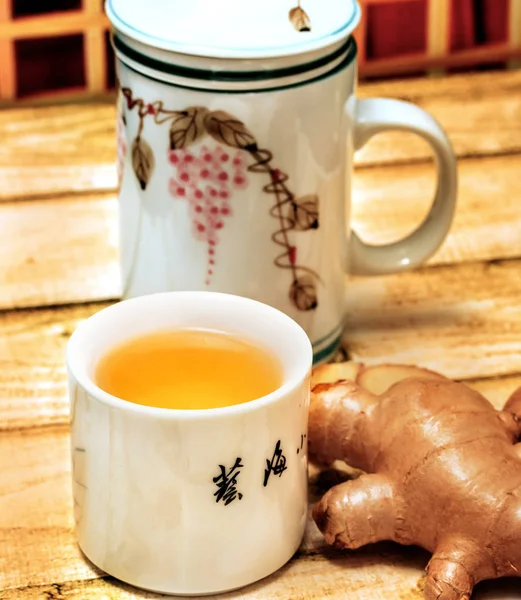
(183, 501)
(236, 159)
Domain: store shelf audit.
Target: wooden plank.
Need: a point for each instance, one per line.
(330, 578)
(5, 13)
(464, 105)
(438, 17)
(39, 557)
(7, 73)
(61, 251)
(37, 546)
(514, 26)
(58, 251)
(463, 321)
(497, 390)
(360, 576)
(52, 24)
(471, 85)
(33, 384)
(36, 541)
(64, 149)
(7, 58)
(514, 22)
(96, 66)
(388, 202)
(360, 35)
(95, 61)
(47, 151)
(413, 63)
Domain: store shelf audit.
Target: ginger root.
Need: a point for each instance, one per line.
(441, 470)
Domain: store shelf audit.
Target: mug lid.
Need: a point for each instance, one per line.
(235, 28)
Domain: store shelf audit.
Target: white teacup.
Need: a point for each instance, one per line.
(237, 123)
(189, 501)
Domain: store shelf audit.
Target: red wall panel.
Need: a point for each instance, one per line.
(396, 29)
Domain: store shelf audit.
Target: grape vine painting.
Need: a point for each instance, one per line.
(121, 144)
(206, 178)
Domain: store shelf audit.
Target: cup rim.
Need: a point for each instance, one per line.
(78, 371)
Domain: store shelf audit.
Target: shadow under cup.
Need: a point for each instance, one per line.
(189, 501)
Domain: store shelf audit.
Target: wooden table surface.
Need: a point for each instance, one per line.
(460, 315)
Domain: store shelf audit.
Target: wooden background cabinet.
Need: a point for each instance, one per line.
(60, 49)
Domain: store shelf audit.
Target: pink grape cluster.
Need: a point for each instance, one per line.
(206, 181)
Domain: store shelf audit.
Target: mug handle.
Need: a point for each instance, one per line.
(373, 115)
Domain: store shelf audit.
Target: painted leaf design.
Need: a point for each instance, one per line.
(142, 161)
(299, 19)
(304, 213)
(228, 130)
(303, 293)
(187, 127)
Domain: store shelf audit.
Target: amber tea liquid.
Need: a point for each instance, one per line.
(188, 369)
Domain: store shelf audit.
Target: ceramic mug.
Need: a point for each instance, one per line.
(189, 501)
(236, 155)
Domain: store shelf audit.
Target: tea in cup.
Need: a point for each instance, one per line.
(188, 369)
(178, 488)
